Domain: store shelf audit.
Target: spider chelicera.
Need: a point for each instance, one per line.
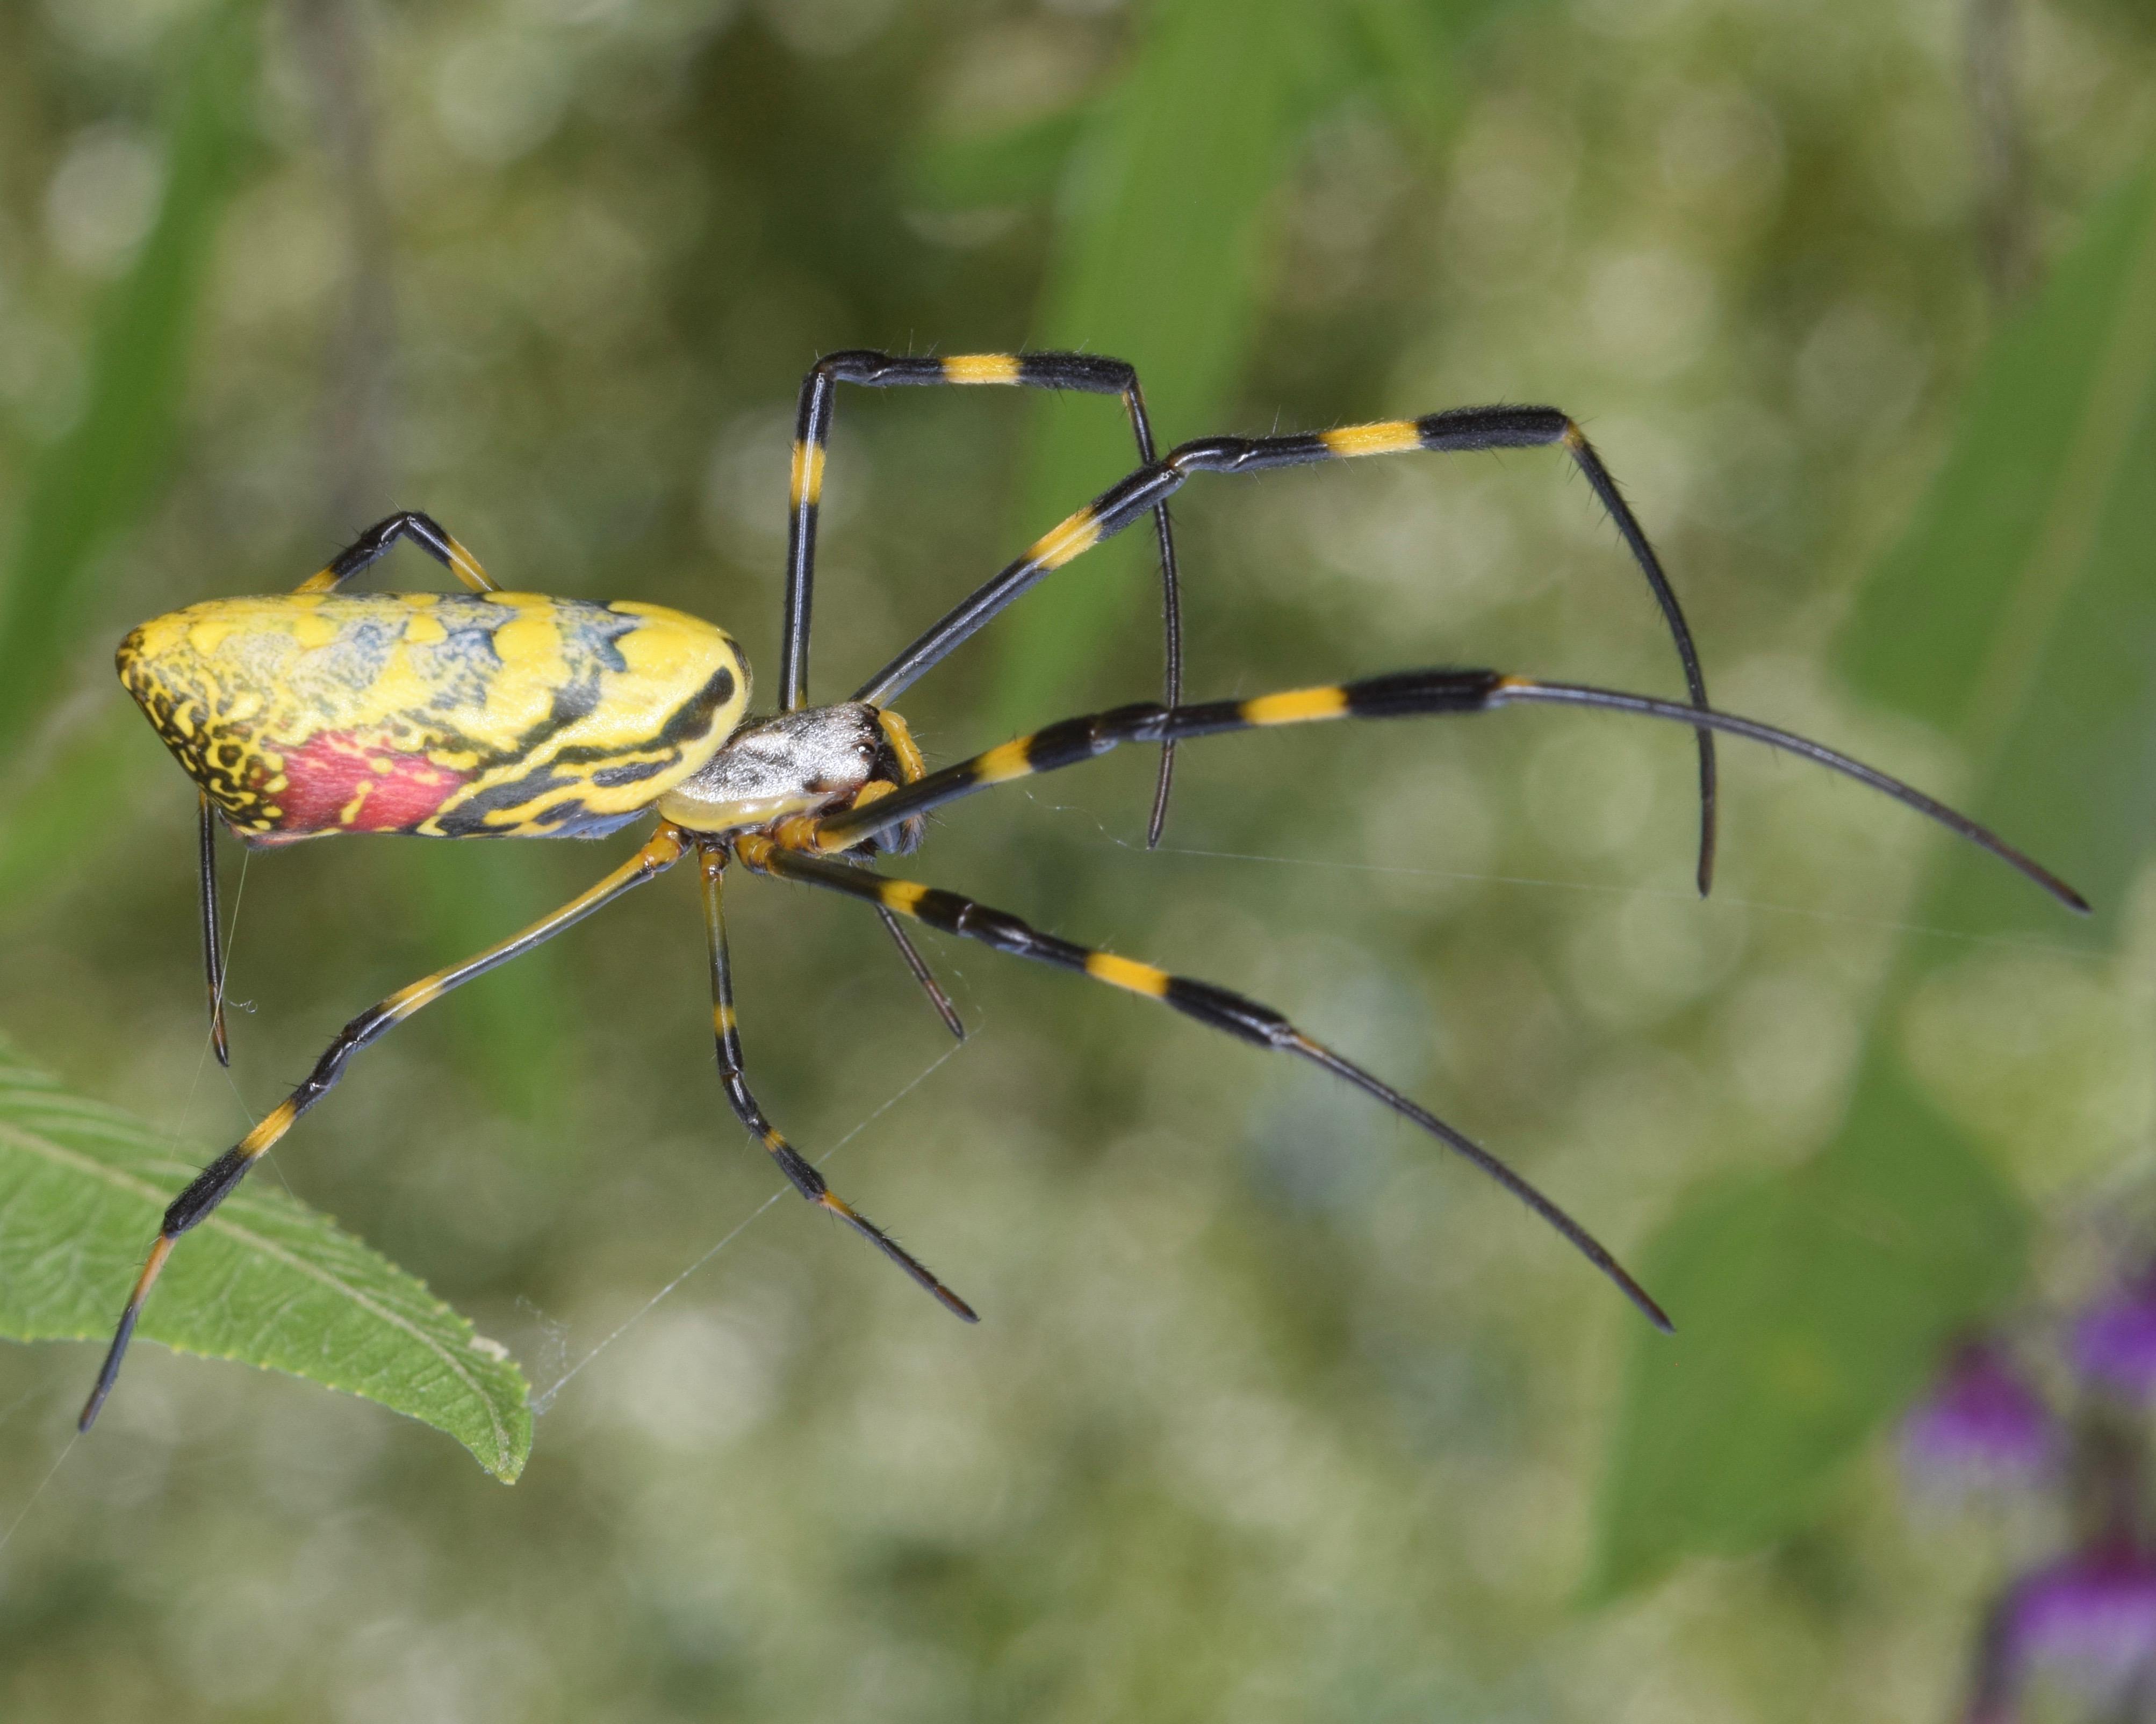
(495, 714)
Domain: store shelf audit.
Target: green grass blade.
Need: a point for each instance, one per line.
(265, 1281)
(96, 481)
(2020, 615)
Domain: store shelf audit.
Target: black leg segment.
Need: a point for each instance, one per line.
(1405, 694)
(374, 544)
(800, 1172)
(1083, 373)
(212, 950)
(1148, 489)
(1216, 1007)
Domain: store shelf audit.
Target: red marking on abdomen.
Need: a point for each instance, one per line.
(324, 775)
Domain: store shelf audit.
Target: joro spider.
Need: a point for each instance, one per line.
(513, 714)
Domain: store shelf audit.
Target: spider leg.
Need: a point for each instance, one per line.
(371, 546)
(1405, 694)
(213, 952)
(922, 974)
(1085, 373)
(909, 768)
(1216, 1007)
(800, 1172)
(1149, 488)
(218, 1181)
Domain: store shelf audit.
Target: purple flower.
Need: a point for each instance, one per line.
(1981, 1424)
(2087, 1622)
(2114, 1341)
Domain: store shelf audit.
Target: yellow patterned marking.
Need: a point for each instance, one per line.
(874, 791)
(1393, 437)
(1073, 537)
(274, 1125)
(808, 473)
(406, 1001)
(1575, 440)
(322, 581)
(900, 734)
(1127, 972)
(722, 1018)
(529, 642)
(1296, 706)
(981, 368)
(998, 766)
(901, 897)
(466, 568)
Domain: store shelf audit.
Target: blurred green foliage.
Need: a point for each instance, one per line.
(1273, 1413)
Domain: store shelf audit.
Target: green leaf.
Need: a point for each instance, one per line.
(2019, 616)
(97, 481)
(1807, 1308)
(265, 1280)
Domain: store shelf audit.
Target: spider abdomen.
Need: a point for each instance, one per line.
(509, 714)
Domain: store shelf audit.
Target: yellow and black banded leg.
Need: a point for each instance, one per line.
(1404, 693)
(213, 952)
(1150, 487)
(799, 1171)
(1218, 1007)
(218, 1181)
(371, 546)
(1083, 373)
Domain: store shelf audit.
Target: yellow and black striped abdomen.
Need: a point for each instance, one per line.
(508, 715)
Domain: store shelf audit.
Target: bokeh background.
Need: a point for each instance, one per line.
(1276, 1413)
